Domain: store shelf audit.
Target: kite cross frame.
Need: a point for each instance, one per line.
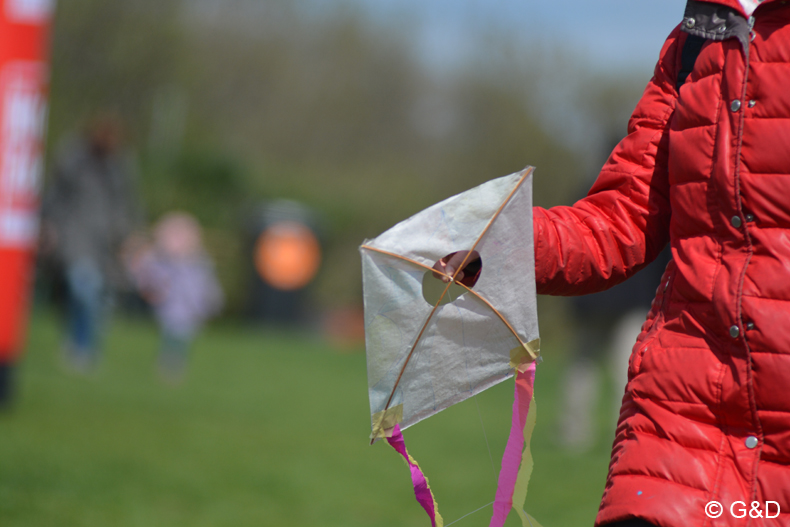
(532, 348)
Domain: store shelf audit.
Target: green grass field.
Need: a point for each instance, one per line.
(269, 429)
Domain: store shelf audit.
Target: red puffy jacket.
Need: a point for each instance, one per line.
(706, 413)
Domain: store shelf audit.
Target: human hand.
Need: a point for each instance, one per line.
(445, 268)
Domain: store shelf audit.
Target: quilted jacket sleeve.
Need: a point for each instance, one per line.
(623, 223)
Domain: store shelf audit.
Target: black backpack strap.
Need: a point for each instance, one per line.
(689, 54)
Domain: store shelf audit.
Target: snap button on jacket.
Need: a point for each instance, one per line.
(706, 168)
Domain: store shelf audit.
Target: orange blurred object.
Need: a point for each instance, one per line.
(287, 256)
(344, 328)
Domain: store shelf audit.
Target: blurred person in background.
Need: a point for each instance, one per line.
(176, 276)
(606, 324)
(88, 210)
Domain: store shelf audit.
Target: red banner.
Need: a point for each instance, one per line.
(24, 70)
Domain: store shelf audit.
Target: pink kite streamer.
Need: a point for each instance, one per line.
(511, 460)
(421, 489)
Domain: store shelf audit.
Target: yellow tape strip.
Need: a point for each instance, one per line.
(522, 356)
(525, 472)
(384, 421)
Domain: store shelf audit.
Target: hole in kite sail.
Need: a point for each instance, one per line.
(433, 286)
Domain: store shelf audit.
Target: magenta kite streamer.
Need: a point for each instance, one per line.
(511, 459)
(421, 489)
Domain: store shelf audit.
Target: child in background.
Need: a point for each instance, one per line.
(176, 276)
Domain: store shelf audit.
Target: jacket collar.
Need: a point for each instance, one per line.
(718, 20)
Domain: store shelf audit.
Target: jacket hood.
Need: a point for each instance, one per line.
(735, 4)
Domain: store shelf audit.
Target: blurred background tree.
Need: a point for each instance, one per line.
(231, 103)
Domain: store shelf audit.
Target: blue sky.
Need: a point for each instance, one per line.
(615, 35)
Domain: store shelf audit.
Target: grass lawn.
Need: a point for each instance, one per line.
(269, 429)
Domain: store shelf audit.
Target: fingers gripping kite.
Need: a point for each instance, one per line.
(432, 343)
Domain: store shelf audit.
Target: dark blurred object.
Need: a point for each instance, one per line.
(285, 252)
(6, 385)
(602, 310)
(89, 209)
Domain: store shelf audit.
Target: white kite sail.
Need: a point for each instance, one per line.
(423, 357)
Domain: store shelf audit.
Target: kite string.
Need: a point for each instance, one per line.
(485, 435)
(490, 456)
(469, 514)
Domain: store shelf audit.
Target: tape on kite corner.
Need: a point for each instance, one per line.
(422, 491)
(384, 422)
(522, 356)
(517, 460)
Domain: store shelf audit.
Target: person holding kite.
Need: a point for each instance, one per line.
(704, 431)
